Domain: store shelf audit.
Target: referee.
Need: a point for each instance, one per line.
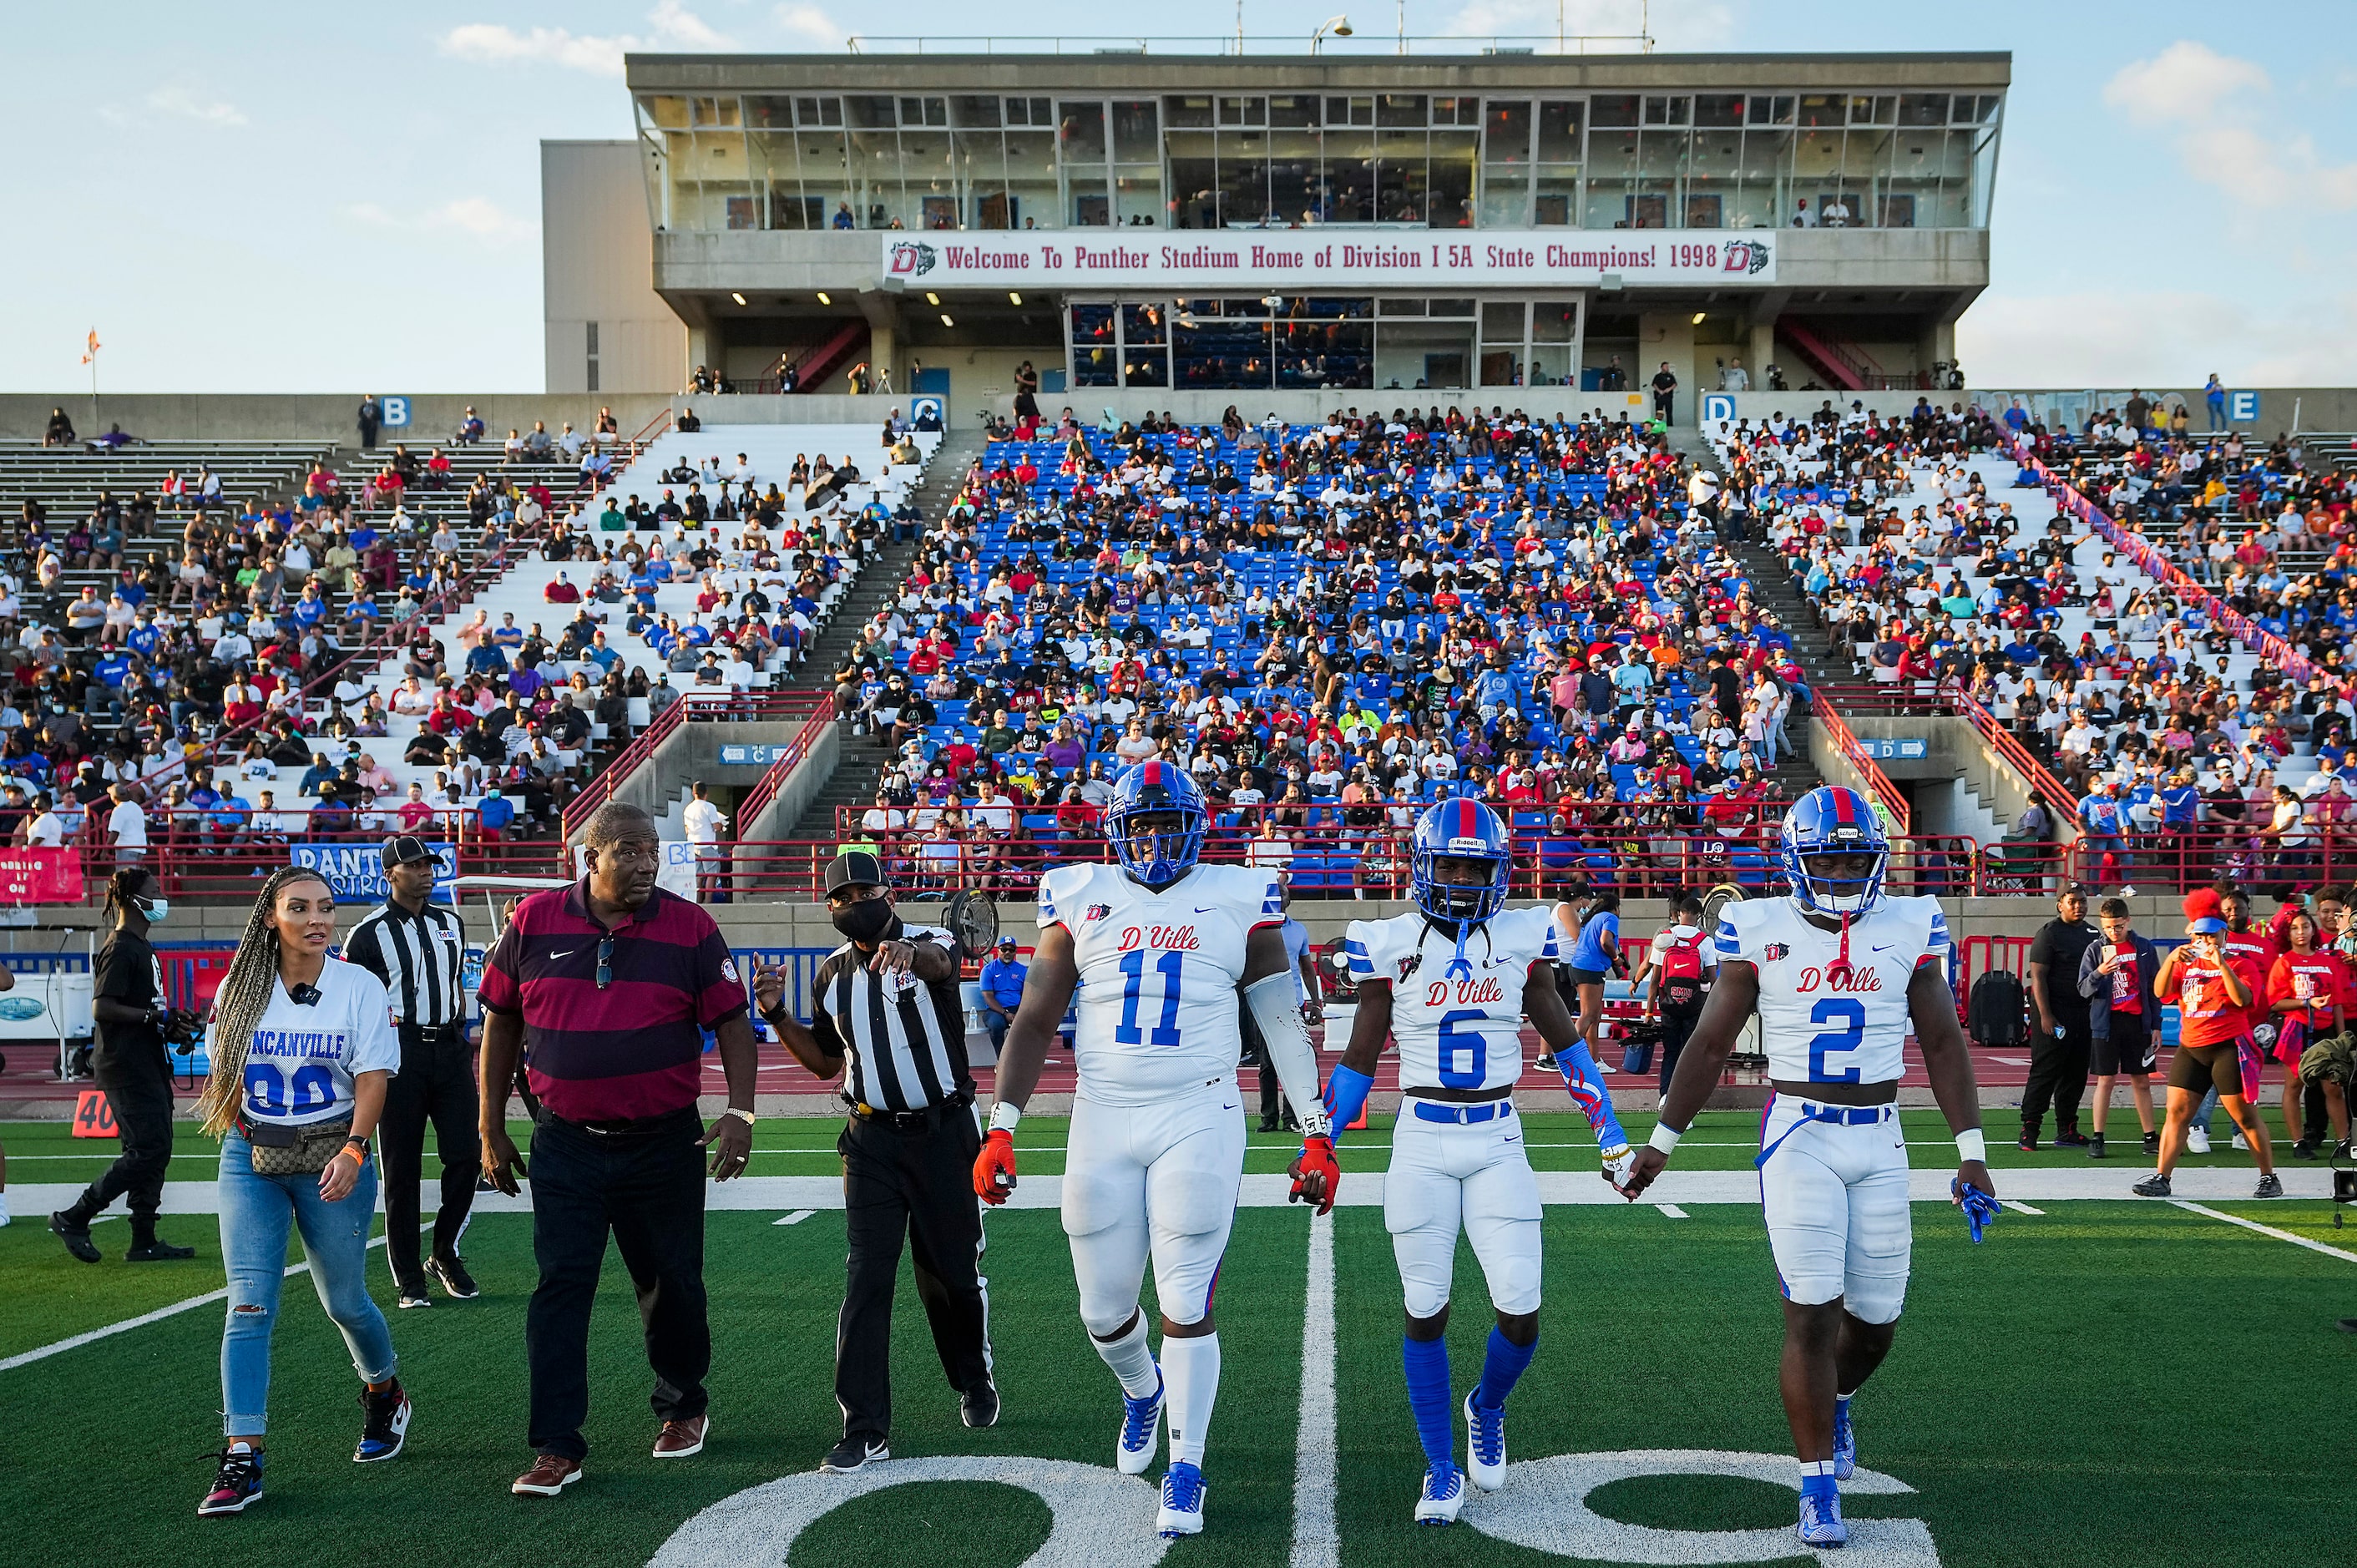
(888, 1016)
(418, 951)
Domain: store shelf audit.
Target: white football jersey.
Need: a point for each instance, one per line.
(1822, 1028)
(1157, 1003)
(1464, 1032)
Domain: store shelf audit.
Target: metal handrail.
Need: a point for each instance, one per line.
(1877, 782)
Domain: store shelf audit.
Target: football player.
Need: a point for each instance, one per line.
(1838, 972)
(1157, 950)
(1452, 983)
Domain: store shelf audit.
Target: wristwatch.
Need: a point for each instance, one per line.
(741, 1114)
(358, 1142)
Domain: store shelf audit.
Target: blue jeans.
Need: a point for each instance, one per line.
(256, 1212)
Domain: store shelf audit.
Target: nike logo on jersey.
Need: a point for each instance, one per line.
(1884, 947)
(1205, 908)
(568, 953)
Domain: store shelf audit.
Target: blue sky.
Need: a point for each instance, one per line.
(259, 198)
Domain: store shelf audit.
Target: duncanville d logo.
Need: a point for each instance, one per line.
(1745, 256)
(1101, 1516)
(912, 258)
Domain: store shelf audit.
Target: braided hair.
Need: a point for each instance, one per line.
(243, 997)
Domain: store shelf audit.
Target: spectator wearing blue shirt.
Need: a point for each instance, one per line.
(2214, 395)
(1631, 680)
(1593, 956)
(494, 812)
(112, 668)
(2104, 824)
(485, 659)
(1002, 989)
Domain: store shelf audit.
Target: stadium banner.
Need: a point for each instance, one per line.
(40, 875)
(1331, 259)
(355, 872)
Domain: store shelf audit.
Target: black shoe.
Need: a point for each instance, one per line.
(2303, 1150)
(852, 1452)
(1545, 1062)
(385, 1426)
(2153, 1185)
(412, 1297)
(1268, 1124)
(158, 1253)
(2341, 1149)
(2152, 1142)
(236, 1484)
(979, 1407)
(449, 1272)
(2027, 1142)
(2270, 1185)
(2095, 1147)
(2073, 1139)
(75, 1236)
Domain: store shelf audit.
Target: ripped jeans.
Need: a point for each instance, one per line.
(256, 1212)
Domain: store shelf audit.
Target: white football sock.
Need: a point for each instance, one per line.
(1190, 1368)
(1131, 1361)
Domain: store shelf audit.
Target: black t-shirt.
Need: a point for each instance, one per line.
(127, 972)
(2060, 946)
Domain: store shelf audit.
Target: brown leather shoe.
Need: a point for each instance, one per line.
(682, 1439)
(549, 1476)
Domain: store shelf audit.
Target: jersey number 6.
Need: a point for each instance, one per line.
(1471, 1044)
(1851, 1016)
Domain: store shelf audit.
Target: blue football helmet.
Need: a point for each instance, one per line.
(1470, 830)
(1832, 819)
(1162, 857)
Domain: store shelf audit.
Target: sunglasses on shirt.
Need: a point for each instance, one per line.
(604, 961)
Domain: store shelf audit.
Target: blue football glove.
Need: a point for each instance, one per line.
(1981, 1208)
(1345, 1097)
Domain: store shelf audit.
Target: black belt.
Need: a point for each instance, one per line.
(924, 1121)
(631, 1126)
(432, 1031)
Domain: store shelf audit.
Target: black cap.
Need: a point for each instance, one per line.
(405, 849)
(855, 868)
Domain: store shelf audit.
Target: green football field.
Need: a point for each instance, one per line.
(2107, 1381)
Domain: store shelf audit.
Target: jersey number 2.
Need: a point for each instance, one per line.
(1169, 966)
(1851, 1016)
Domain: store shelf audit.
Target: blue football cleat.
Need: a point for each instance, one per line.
(1845, 1442)
(1182, 1502)
(1140, 1421)
(1821, 1521)
(1444, 1493)
(1485, 1446)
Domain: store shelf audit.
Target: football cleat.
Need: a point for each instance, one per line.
(1845, 1442)
(1141, 1421)
(1182, 1502)
(1485, 1446)
(1821, 1521)
(1444, 1493)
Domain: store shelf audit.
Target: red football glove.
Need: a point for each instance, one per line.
(1315, 1175)
(994, 1168)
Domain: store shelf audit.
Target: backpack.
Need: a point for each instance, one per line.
(1997, 1012)
(1680, 987)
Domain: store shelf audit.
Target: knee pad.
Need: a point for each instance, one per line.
(1876, 1297)
(1514, 1286)
(1104, 1317)
(1092, 1203)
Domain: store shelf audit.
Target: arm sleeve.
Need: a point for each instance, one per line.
(1274, 1007)
(1359, 943)
(1587, 1091)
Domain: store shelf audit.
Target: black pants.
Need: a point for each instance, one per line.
(436, 1084)
(2057, 1071)
(1664, 401)
(1273, 1106)
(917, 1184)
(645, 1189)
(1677, 1027)
(139, 1092)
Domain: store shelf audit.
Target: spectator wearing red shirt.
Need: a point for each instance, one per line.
(2305, 999)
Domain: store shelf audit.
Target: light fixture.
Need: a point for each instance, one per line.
(1273, 301)
(932, 298)
(1013, 297)
(1698, 315)
(945, 319)
(737, 298)
(1340, 27)
(823, 297)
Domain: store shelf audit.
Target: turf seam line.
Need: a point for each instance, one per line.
(1316, 1534)
(2209, 1213)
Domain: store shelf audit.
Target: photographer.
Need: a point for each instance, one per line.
(132, 1068)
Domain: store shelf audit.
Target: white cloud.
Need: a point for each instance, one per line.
(179, 103)
(474, 216)
(2185, 82)
(2220, 111)
(2157, 339)
(812, 23)
(671, 26)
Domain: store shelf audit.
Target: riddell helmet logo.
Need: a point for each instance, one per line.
(912, 258)
(1745, 256)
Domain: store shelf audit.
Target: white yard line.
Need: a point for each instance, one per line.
(2019, 1208)
(797, 1216)
(1671, 1211)
(2208, 1213)
(1316, 1537)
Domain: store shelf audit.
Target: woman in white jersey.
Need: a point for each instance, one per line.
(303, 1046)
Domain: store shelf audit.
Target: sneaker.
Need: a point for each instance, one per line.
(2095, 1147)
(1485, 1446)
(2270, 1185)
(1141, 1421)
(2242, 1142)
(450, 1272)
(1444, 1495)
(2071, 1140)
(2153, 1185)
(2341, 1149)
(1181, 1512)
(414, 1296)
(549, 1476)
(852, 1452)
(683, 1438)
(165, 1252)
(1821, 1521)
(1268, 1124)
(979, 1407)
(2197, 1140)
(1545, 1062)
(2026, 1143)
(1845, 1442)
(237, 1483)
(2152, 1142)
(75, 1235)
(2305, 1149)
(385, 1427)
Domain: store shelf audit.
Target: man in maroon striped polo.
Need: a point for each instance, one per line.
(605, 988)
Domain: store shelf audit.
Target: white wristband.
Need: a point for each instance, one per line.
(1972, 1145)
(1666, 1137)
(1004, 1117)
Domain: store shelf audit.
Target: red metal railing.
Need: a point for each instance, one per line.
(1877, 782)
(2181, 858)
(757, 800)
(1918, 699)
(720, 707)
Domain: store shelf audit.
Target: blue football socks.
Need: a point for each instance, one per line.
(1426, 1362)
(1502, 1368)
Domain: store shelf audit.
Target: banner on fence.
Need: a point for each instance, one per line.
(355, 872)
(40, 875)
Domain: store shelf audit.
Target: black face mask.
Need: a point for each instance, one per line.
(865, 921)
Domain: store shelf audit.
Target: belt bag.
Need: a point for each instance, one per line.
(281, 1149)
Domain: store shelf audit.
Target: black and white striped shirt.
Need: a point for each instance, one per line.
(420, 959)
(902, 1039)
